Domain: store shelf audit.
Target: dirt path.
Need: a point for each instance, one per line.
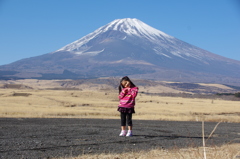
(47, 138)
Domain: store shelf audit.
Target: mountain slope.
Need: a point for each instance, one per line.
(130, 47)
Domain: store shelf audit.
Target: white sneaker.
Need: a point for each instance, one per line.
(129, 133)
(123, 133)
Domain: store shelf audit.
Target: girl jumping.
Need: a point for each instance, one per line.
(127, 94)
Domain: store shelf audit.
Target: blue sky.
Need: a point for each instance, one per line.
(34, 27)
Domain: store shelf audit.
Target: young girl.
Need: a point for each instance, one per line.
(127, 94)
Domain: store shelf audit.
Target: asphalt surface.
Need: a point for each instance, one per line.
(47, 138)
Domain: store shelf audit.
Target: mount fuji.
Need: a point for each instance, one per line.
(128, 47)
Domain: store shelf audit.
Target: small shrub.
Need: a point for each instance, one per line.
(237, 94)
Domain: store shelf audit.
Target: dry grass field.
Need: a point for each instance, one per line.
(223, 152)
(103, 104)
(41, 99)
(101, 101)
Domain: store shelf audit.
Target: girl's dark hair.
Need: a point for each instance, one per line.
(125, 78)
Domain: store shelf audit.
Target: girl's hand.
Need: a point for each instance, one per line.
(125, 90)
(127, 84)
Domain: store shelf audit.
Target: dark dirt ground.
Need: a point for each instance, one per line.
(47, 138)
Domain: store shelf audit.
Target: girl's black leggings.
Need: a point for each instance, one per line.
(126, 118)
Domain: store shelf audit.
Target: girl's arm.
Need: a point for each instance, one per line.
(134, 92)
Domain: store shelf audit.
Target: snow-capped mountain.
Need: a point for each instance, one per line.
(130, 27)
(130, 47)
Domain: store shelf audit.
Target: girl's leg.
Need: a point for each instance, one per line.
(123, 125)
(123, 120)
(129, 121)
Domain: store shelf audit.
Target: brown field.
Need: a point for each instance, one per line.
(43, 99)
(224, 152)
(103, 104)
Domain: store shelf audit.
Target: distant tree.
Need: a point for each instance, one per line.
(237, 94)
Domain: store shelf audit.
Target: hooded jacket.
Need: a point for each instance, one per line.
(127, 97)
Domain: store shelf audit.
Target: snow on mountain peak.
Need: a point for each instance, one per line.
(132, 27)
(161, 43)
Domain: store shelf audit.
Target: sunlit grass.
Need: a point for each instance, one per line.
(229, 151)
(103, 104)
(97, 103)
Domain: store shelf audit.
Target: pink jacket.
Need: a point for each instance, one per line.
(127, 97)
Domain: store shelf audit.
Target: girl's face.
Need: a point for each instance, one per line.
(125, 84)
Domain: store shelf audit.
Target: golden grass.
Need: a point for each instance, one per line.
(49, 103)
(187, 109)
(231, 151)
(93, 104)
